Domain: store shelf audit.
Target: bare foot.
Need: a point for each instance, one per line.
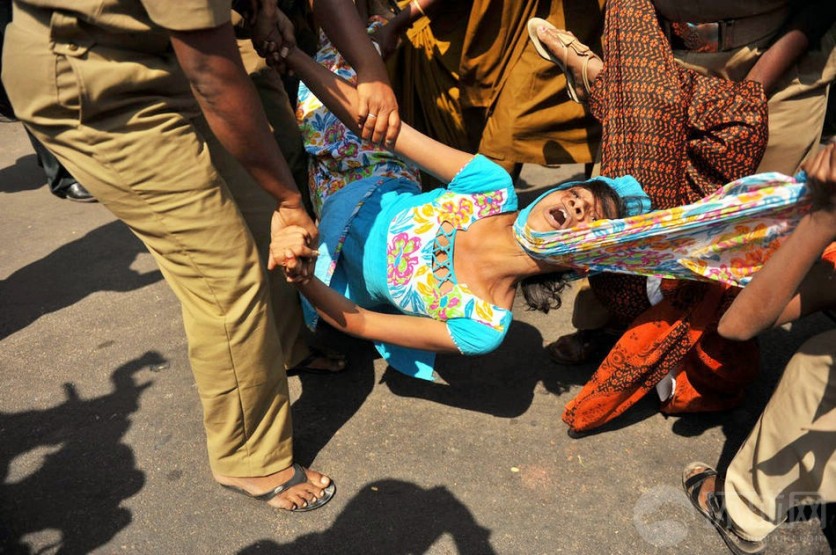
(298, 496)
(574, 57)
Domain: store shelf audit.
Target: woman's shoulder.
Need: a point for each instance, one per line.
(480, 334)
(481, 175)
(476, 325)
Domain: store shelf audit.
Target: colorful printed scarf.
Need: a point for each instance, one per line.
(725, 237)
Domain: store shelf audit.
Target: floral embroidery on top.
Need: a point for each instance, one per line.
(459, 210)
(489, 203)
(399, 259)
(410, 279)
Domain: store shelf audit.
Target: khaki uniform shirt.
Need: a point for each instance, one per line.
(135, 31)
(143, 22)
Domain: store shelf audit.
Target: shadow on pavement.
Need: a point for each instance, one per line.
(501, 383)
(392, 517)
(72, 470)
(24, 175)
(99, 261)
(327, 402)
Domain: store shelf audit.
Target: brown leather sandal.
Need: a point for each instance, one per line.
(715, 512)
(566, 40)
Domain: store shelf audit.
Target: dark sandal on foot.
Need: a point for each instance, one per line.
(305, 366)
(716, 510)
(579, 347)
(299, 477)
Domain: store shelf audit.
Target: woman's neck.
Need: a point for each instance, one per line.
(491, 262)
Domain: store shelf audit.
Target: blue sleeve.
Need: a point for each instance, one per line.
(475, 338)
(480, 175)
(412, 362)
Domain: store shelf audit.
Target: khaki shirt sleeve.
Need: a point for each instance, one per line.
(188, 15)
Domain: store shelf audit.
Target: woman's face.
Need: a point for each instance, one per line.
(567, 208)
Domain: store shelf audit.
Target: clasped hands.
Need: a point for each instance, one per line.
(292, 234)
(271, 32)
(290, 249)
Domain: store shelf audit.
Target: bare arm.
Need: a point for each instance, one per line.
(396, 329)
(210, 60)
(415, 332)
(786, 288)
(778, 59)
(804, 30)
(342, 24)
(340, 97)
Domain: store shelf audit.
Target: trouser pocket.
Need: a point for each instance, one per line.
(67, 87)
(42, 86)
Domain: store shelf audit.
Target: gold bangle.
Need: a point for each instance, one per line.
(418, 7)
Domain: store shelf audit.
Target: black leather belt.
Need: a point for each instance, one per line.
(726, 34)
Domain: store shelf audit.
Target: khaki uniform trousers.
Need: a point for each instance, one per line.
(125, 123)
(789, 458)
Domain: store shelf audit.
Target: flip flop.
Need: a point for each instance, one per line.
(716, 511)
(299, 477)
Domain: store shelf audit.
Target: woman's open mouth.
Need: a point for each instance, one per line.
(559, 216)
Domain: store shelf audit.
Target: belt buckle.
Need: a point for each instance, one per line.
(697, 37)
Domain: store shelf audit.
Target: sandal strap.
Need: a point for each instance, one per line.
(582, 51)
(716, 502)
(299, 477)
(586, 84)
(696, 480)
